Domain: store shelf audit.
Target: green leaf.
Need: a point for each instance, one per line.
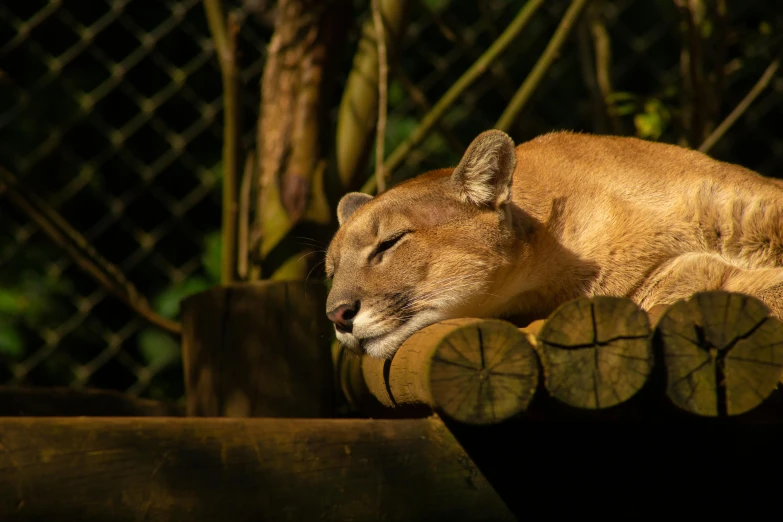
(213, 255)
(652, 122)
(623, 109)
(618, 96)
(167, 302)
(648, 125)
(158, 348)
(11, 343)
(11, 303)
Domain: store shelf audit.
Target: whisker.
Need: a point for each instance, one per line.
(428, 297)
(305, 255)
(319, 263)
(313, 241)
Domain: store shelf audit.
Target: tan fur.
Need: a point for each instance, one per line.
(586, 215)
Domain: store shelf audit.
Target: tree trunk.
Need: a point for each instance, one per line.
(258, 350)
(295, 86)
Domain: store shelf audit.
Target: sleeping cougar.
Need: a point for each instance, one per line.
(516, 232)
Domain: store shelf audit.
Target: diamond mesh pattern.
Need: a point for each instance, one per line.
(111, 112)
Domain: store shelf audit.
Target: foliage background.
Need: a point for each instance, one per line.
(110, 110)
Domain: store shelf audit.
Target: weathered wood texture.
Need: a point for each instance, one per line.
(723, 353)
(66, 402)
(596, 353)
(134, 469)
(717, 354)
(477, 371)
(258, 349)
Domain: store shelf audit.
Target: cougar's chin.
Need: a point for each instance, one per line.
(350, 342)
(385, 345)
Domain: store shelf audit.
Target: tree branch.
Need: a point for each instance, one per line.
(739, 110)
(82, 253)
(588, 65)
(243, 231)
(546, 59)
(383, 73)
(468, 77)
(357, 115)
(603, 62)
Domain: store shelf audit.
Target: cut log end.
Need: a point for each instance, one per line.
(723, 353)
(596, 353)
(496, 367)
(473, 371)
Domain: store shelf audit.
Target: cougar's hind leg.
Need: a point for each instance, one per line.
(766, 284)
(687, 274)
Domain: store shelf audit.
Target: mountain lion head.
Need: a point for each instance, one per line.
(429, 249)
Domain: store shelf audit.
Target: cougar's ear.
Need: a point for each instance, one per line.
(483, 176)
(348, 205)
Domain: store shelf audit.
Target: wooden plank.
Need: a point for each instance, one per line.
(128, 469)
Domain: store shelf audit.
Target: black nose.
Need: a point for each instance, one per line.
(343, 315)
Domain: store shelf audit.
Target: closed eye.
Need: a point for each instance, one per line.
(386, 244)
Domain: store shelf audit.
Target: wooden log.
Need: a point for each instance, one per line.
(376, 377)
(533, 328)
(476, 371)
(723, 353)
(596, 353)
(66, 402)
(134, 469)
(258, 349)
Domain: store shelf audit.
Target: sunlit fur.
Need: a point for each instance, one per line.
(586, 215)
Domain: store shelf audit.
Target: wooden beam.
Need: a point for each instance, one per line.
(175, 469)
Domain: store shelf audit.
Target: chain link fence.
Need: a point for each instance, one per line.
(110, 111)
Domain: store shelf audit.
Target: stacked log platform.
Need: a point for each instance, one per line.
(716, 354)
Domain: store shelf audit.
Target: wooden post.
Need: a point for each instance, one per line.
(596, 353)
(477, 371)
(258, 349)
(169, 469)
(723, 353)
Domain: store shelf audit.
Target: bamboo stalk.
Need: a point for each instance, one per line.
(357, 114)
(383, 73)
(243, 231)
(224, 35)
